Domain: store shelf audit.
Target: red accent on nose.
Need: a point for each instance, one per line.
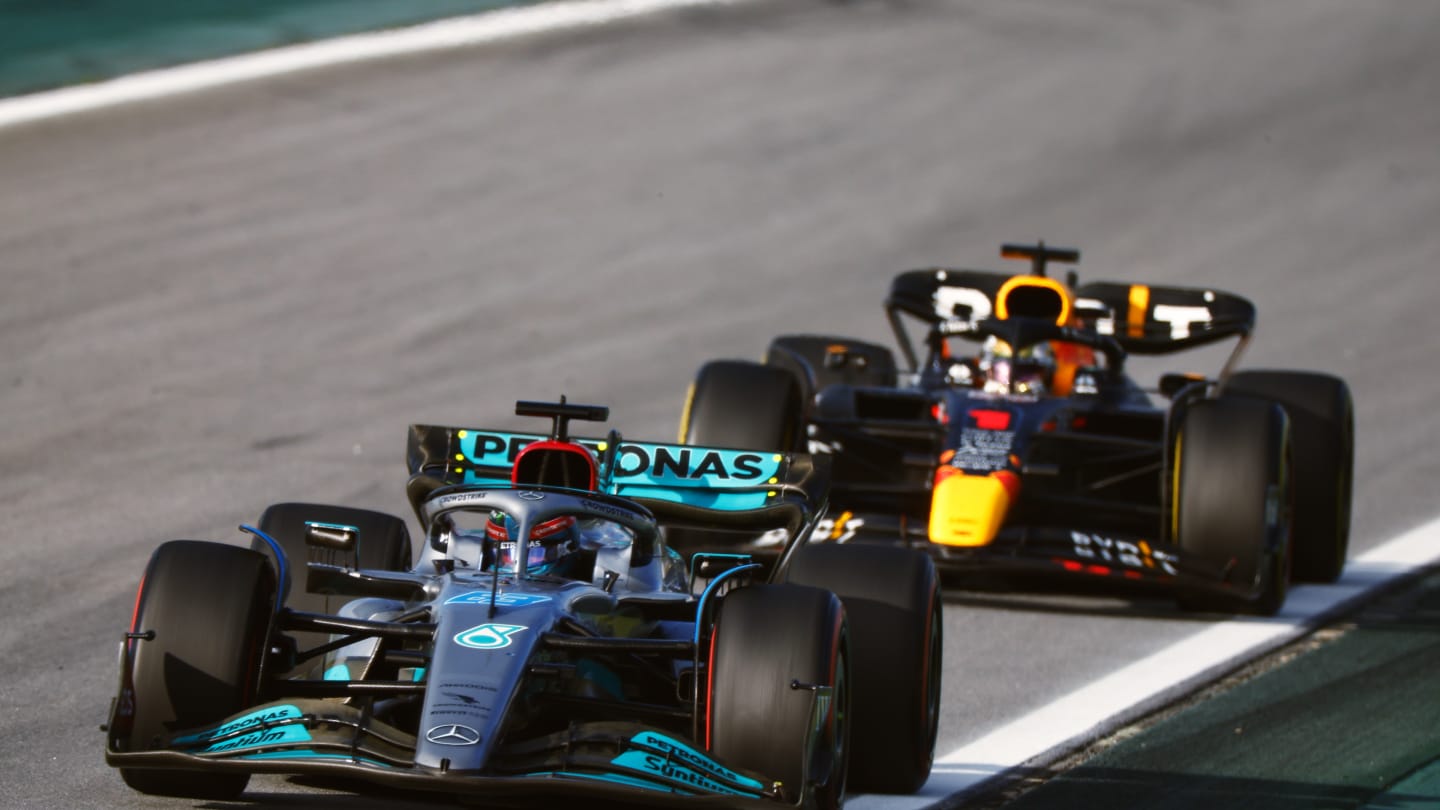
(1009, 480)
(991, 420)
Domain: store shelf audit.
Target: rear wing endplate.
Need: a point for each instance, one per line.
(1146, 319)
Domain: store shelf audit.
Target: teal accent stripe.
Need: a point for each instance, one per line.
(617, 779)
(306, 754)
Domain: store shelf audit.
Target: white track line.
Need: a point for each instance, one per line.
(459, 32)
(1126, 694)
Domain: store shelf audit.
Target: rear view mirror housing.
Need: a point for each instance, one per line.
(332, 536)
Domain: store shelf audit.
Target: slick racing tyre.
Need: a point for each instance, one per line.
(772, 645)
(892, 605)
(1322, 432)
(734, 403)
(383, 544)
(742, 405)
(820, 361)
(204, 610)
(1234, 500)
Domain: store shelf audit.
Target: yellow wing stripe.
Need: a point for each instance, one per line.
(1139, 306)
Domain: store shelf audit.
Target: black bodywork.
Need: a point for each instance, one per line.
(1092, 469)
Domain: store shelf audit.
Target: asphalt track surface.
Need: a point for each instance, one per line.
(224, 300)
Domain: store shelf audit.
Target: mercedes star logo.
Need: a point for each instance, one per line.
(531, 496)
(453, 734)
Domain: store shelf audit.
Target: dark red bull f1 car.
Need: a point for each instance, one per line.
(1014, 439)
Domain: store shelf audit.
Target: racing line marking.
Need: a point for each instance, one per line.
(1107, 704)
(447, 34)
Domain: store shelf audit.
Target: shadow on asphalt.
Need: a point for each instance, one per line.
(1068, 596)
(297, 792)
(1126, 788)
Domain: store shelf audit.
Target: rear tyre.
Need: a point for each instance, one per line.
(209, 606)
(1235, 499)
(734, 403)
(742, 405)
(1322, 432)
(820, 361)
(384, 544)
(768, 639)
(893, 608)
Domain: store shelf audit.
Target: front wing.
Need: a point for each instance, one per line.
(1046, 551)
(626, 762)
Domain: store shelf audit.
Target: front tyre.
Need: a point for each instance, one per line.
(771, 645)
(893, 607)
(1322, 430)
(203, 613)
(1235, 500)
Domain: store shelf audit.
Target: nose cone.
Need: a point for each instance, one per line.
(968, 510)
(475, 671)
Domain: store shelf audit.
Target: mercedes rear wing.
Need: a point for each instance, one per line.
(713, 487)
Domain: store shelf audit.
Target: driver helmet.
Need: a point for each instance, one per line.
(550, 541)
(1005, 371)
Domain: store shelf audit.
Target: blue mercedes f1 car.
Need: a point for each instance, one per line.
(544, 644)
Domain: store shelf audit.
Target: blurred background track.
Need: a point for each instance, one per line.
(49, 43)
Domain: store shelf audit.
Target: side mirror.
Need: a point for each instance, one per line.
(1172, 384)
(706, 567)
(331, 544)
(332, 536)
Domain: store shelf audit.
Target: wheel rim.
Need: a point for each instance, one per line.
(835, 736)
(840, 725)
(936, 648)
